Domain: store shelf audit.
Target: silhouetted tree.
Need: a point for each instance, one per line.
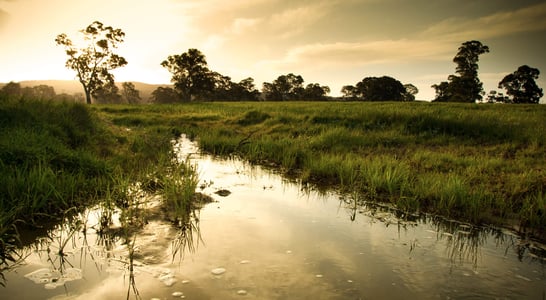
(285, 87)
(129, 93)
(246, 90)
(411, 91)
(442, 92)
(521, 85)
(222, 88)
(94, 62)
(466, 87)
(12, 89)
(190, 74)
(315, 91)
(380, 89)
(165, 95)
(349, 91)
(496, 97)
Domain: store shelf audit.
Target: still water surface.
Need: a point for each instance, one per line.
(271, 239)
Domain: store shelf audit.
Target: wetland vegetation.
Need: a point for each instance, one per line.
(479, 163)
(110, 175)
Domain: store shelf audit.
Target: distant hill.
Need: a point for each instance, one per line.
(72, 87)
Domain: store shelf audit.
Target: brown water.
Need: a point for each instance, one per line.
(271, 239)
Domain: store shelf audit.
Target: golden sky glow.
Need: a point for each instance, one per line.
(333, 42)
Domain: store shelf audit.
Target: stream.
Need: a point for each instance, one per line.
(266, 237)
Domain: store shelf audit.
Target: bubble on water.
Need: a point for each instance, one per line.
(185, 281)
(167, 277)
(177, 294)
(242, 292)
(319, 276)
(169, 281)
(244, 262)
(349, 281)
(218, 271)
(288, 251)
(523, 277)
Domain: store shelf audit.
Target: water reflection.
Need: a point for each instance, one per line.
(273, 238)
(111, 239)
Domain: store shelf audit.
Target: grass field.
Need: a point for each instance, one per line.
(476, 163)
(479, 163)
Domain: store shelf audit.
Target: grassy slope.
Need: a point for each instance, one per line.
(57, 157)
(481, 163)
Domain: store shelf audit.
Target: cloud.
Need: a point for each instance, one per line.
(293, 21)
(243, 25)
(363, 53)
(4, 17)
(528, 19)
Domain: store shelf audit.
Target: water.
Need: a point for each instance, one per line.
(269, 238)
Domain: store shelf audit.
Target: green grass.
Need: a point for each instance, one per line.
(57, 157)
(478, 163)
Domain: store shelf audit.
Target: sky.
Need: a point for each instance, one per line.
(331, 42)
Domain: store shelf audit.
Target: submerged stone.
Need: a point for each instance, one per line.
(223, 193)
(242, 292)
(218, 271)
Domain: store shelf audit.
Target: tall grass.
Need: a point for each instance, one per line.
(57, 156)
(480, 163)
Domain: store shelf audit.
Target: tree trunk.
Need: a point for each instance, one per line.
(87, 93)
(87, 97)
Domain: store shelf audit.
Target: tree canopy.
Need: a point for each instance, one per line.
(291, 87)
(521, 86)
(94, 62)
(190, 74)
(383, 88)
(466, 87)
(129, 93)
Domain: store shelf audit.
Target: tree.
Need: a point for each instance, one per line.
(43, 92)
(129, 93)
(222, 87)
(190, 73)
(349, 91)
(107, 93)
(466, 87)
(315, 91)
(12, 89)
(521, 85)
(442, 92)
(246, 90)
(496, 97)
(411, 91)
(165, 95)
(380, 89)
(270, 92)
(285, 87)
(94, 62)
